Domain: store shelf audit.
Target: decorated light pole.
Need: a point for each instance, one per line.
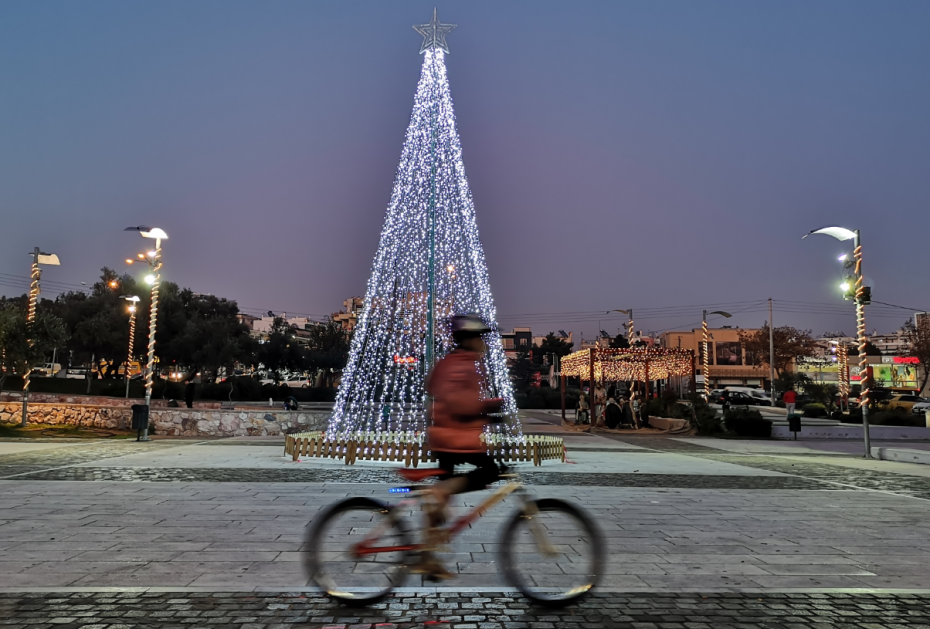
(38, 257)
(629, 330)
(705, 366)
(153, 278)
(863, 296)
(133, 300)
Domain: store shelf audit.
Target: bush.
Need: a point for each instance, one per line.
(747, 423)
(814, 409)
(892, 418)
(546, 397)
(705, 419)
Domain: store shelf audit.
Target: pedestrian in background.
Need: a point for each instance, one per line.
(790, 397)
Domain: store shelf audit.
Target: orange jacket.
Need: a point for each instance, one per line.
(458, 413)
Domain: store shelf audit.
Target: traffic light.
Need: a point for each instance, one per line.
(866, 297)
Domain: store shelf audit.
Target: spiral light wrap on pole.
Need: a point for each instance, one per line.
(153, 323)
(132, 338)
(843, 356)
(629, 333)
(864, 381)
(706, 363)
(31, 317)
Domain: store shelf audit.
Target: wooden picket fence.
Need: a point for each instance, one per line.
(409, 448)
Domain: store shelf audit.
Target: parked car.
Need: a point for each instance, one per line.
(921, 407)
(904, 402)
(299, 382)
(46, 370)
(738, 398)
(757, 394)
(77, 373)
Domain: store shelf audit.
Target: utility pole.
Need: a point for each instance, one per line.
(771, 353)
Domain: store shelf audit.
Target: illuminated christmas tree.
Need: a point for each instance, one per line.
(429, 266)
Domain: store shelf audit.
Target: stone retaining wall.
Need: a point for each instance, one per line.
(93, 400)
(172, 421)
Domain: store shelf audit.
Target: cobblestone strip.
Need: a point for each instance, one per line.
(475, 611)
(363, 475)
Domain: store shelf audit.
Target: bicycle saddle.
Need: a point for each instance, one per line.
(416, 476)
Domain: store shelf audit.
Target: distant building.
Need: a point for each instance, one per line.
(348, 318)
(729, 365)
(516, 341)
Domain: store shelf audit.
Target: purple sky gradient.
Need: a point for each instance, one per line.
(634, 154)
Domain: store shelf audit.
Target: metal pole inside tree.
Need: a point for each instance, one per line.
(862, 296)
(38, 258)
(154, 278)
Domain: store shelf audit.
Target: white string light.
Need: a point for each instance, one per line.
(383, 383)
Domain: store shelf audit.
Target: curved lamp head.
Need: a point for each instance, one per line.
(840, 233)
(721, 313)
(132, 298)
(46, 258)
(149, 232)
(626, 312)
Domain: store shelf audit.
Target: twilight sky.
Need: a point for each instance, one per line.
(643, 155)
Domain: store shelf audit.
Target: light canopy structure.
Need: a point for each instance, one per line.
(429, 265)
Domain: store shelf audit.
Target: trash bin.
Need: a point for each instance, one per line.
(140, 419)
(794, 424)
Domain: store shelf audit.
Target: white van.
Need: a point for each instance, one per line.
(758, 394)
(47, 370)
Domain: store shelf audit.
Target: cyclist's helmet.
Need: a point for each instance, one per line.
(467, 325)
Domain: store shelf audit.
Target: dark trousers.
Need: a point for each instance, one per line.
(487, 471)
(189, 394)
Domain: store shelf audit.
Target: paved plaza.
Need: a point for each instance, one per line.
(700, 533)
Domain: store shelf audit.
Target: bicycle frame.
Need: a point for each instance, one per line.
(362, 548)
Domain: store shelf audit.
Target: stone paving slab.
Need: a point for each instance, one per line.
(465, 610)
(248, 535)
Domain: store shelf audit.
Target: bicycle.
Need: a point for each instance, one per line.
(359, 550)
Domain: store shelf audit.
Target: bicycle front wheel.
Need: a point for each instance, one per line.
(357, 550)
(552, 552)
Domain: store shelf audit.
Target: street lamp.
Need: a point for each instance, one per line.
(133, 300)
(862, 295)
(155, 264)
(38, 257)
(705, 367)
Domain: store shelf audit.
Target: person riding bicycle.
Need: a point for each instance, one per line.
(457, 416)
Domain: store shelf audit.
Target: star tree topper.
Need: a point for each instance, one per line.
(434, 34)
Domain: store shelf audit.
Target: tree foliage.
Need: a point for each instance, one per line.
(280, 352)
(21, 343)
(790, 343)
(194, 331)
(620, 342)
(327, 350)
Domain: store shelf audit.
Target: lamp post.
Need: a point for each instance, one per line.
(154, 278)
(133, 300)
(862, 296)
(38, 257)
(705, 367)
(629, 331)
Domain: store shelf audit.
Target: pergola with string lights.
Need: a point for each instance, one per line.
(644, 364)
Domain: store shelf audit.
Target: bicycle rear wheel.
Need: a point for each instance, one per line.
(342, 554)
(552, 552)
